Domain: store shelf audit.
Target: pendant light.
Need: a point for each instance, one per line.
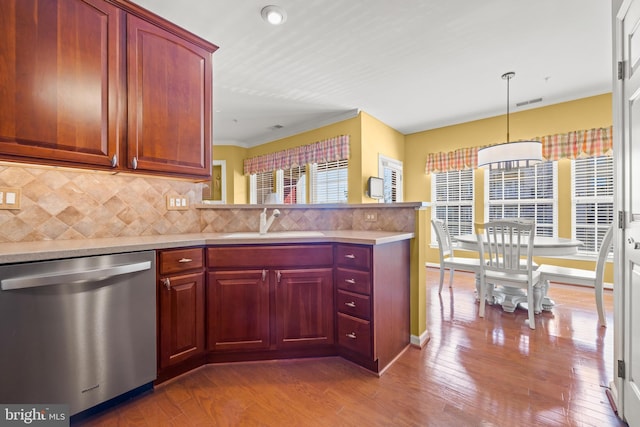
(509, 155)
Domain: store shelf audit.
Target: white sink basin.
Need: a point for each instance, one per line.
(272, 235)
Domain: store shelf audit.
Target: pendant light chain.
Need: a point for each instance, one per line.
(508, 76)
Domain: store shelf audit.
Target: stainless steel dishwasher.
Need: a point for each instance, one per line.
(77, 331)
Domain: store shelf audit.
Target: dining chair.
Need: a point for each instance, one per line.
(502, 244)
(579, 276)
(448, 260)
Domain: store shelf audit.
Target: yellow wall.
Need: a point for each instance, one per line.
(586, 113)
(237, 184)
(377, 138)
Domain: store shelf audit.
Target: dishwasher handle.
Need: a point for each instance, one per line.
(76, 276)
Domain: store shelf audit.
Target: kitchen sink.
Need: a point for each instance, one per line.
(272, 235)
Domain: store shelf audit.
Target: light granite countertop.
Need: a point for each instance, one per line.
(58, 249)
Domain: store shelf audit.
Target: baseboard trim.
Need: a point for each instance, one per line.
(420, 341)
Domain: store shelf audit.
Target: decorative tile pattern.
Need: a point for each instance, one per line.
(60, 204)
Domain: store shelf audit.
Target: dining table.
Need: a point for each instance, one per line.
(509, 298)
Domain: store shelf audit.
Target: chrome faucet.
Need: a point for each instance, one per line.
(264, 223)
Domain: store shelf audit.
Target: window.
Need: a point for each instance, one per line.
(524, 193)
(261, 186)
(391, 171)
(452, 200)
(292, 186)
(592, 200)
(329, 182)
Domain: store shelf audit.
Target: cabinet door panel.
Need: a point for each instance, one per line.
(62, 80)
(181, 318)
(238, 310)
(304, 307)
(169, 82)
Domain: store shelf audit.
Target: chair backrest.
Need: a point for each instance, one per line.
(503, 243)
(607, 241)
(444, 239)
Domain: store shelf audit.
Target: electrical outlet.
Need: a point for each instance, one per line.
(371, 216)
(10, 198)
(177, 203)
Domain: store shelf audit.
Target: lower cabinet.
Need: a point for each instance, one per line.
(238, 310)
(181, 309)
(304, 307)
(372, 302)
(252, 302)
(275, 298)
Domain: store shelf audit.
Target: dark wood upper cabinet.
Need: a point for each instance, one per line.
(169, 81)
(103, 84)
(61, 81)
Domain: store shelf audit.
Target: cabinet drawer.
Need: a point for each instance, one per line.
(354, 304)
(263, 256)
(178, 260)
(354, 334)
(353, 256)
(353, 280)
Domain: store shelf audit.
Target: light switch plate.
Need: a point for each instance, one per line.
(10, 198)
(177, 203)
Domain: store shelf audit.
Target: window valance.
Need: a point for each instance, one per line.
(332, 149)
(571, 145)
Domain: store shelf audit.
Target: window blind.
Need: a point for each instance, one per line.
(329, 183)
(262, 185)
(525, 193)
(592, 200)
(292, 185)
(452, 198)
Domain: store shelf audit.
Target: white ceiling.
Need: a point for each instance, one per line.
(412, 64)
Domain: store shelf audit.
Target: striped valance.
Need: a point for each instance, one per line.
(571, 145)
(332, 149)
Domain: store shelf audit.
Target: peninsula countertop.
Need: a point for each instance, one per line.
(57, 249)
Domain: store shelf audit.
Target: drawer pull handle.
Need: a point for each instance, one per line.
(351, 335)
(264, 274)
(167, 283)
(350, 256)
(350, 304)
(350, 281)
(184, 260)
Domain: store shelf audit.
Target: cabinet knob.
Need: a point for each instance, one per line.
(134, 163)
(351, 304)
(351, 335)
(184, 260)
(350, 256)
(114, 161)
(167, 283)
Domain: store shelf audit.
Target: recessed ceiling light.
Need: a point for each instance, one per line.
(274, 15)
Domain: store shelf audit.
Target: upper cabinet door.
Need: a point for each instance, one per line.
(61, 73)
(169, 84)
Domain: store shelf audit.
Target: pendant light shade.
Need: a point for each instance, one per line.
(510, 154)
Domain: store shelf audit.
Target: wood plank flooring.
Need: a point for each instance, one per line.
(473, 372)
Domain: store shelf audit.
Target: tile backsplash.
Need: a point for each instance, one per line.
(60, 203)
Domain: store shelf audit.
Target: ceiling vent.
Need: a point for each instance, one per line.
(531, 101)
(276, 127)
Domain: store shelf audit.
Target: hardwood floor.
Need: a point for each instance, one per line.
(473, 372)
